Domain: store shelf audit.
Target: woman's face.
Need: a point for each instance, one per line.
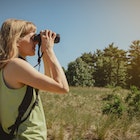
(26, 45)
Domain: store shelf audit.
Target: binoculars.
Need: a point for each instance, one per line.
(37, 38)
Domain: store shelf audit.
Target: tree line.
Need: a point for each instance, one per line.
(109, 67)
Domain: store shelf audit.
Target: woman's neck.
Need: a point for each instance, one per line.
(24, 58)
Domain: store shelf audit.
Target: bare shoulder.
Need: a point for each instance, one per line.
(19, 65)
(20, 68)
(17, 62)
(19, 72)
(13, 72)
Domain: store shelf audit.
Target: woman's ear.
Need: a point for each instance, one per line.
(18, 44)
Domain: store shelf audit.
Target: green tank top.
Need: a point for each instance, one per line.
(34, 128)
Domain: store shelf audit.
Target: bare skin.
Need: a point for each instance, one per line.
(18, 72)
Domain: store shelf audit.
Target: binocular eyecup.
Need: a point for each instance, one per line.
(37, 38)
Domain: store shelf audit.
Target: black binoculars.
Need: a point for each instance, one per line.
(37, 38)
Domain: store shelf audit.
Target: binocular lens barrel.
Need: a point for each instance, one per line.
(38, 38)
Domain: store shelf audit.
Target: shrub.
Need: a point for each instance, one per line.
(133, 102)
(113, 105)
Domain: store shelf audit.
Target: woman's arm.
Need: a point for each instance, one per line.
(53, 69)
(18, 73)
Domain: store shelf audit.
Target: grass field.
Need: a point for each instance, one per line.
(78, 116)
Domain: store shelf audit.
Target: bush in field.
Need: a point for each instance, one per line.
(133, 102)
(118, 105)
(114, 105)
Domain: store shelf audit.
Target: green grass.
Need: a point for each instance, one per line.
(78, 116)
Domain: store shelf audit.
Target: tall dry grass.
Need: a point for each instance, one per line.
(78, 116)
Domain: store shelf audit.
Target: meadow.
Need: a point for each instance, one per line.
(78, 116)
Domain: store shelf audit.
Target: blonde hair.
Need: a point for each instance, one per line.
(11, 31)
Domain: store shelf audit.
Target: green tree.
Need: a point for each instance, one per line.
(133, 70)
(99, 69)
(79, 74)
(110, 67)
(88, 58)
(117, 65)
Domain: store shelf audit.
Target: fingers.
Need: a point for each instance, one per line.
(47, 39)
(48, 34)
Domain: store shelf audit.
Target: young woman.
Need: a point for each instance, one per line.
(16, 39)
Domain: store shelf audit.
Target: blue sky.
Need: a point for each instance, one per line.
(84, 25)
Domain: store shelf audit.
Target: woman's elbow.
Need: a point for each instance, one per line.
(64, 90)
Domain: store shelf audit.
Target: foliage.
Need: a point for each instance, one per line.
(133, 102)
(119, 105)
(111, 64)
(79, 74)
(99, 69)
(109, 67)
(88, 59)
(113, 105)
(133, 64)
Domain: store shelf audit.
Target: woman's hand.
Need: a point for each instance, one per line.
(47, 39)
